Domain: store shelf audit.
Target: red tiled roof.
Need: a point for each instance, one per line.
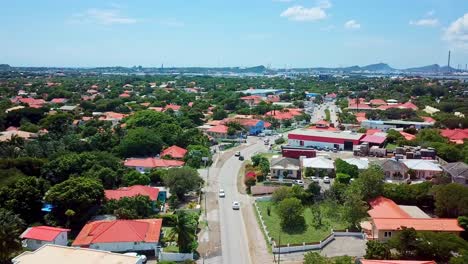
(131, 191)
(124, 95)
(428, 119)
(385, 208)
(377, 102)
(173, 107)
(360, 114)
(152, 163)
(374, 139)
(369, 261)
(407, 105)
(372, 131)
(248, 122)
(266, 124)
(359, 106)
(454, 134)
(43, 233)
(105, 231)
(175, 152)
(157, 109)
(419, 224)
(221, 129)
(322, 122)
(58, 100)
(407, 136)
(284, 114)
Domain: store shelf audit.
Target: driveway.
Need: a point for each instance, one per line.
(340, 246)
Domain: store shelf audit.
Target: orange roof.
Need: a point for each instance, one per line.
(152, 163)
(175, 152)
(105, 231)
(372, 131)
(407, 136)
(322, 122)
(157, 109)
(454, 134)
(222, 129)
(360, 114)
(428, 119)
(419, 224)
(377, 102)
(370, 261)
(385, 208)
(131, 191)
(173, 107)
(124, 95)
(284, 114)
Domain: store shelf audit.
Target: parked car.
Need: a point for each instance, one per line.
(335, 150)
(235, 205)
(315, 179)
(134, 254)
(241, 157)
(326, 179)
(298, 182)
(237, 154)
(222, 194)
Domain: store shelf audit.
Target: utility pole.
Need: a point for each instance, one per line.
(279, 247)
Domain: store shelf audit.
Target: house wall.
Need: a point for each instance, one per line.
(124, 246)
(384, 235)
(307, 143)
(292, 173)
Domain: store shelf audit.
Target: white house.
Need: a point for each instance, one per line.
(38, 236)
(73, 255)
(319, 164)
(424, 169)
(361, 163)
(121, 235)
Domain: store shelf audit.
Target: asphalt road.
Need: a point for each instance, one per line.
(319, 112)
(234, 240)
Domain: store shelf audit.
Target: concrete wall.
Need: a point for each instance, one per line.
(294, 174)
(124, 246)
(178, 257)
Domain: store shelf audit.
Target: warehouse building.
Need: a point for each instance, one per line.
(341, 140)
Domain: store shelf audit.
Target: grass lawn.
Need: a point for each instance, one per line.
(330, 220)
(171, 249)
(391, 146)
(269, 156)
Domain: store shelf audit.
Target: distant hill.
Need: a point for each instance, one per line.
(430, 68)
(378, 67)
(4, 67)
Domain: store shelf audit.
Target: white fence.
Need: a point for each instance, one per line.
(305, 246)
(175, 256)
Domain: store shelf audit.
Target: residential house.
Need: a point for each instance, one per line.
(253, 126)
(285, 114)
(288, 168)
(55, 254)
(252, 100)
(219, 131)
(151, 192)
(11, 133)
(393, 169)
(59, 100)
(387, 218)
(455, 135)
(70, 108)
(458, 171)
(38, 236)
(121, 235)
(145, 164)
(174, 152)
(361, 163)
(321, 165)
(424, 169)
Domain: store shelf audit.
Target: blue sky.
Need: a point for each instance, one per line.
(279, 33)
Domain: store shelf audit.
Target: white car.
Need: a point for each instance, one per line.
(134, 254)
(235, 205)
(298, 182)
(326, 179)
(237, 154)
(222, 194)
(315, 179)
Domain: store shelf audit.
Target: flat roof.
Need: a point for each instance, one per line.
(55, 254)
(327, 133)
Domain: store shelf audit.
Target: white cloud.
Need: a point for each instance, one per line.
(425, 22)
(457, 33)
(300, 13)
(352, 24)
(103, 17)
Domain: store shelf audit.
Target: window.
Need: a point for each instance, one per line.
(387, 234)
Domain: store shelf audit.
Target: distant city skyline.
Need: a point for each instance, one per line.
(210, 33)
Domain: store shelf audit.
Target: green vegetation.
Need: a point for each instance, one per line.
(327, 115)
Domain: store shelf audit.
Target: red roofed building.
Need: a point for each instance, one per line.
(219, 131)
(144, 164)
(407, 136)
(285, 114)
(59, 100)
(455, 135)
(371, 261)
(173, 107)
(132, 191)
(174, 152)
(374, 140)
(37, 236)
(252, 100)
(124, 95)
(388, 218)
(377, 102)
(120, 235)
(372, 131)
(157, 109)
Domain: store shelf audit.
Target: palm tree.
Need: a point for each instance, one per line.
(184, 229)
(11, 227)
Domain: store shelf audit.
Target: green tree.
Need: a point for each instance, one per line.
(451, 200)
(136, 207)
(149, 119)
(24, 198)
(58, 123)
(315, 258)
(343, 178)
(140, 142)
(134, 177)
(344, 167)
(377, 250)
(79, 194)
(370, 183)
(185, 226)
(281, 193)
(195, 154)
(405, 242)
(11, 227)
(355, 209)
(182, 180)
(219, 114)
(291, 213)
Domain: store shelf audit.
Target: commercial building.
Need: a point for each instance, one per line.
(342, 140)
